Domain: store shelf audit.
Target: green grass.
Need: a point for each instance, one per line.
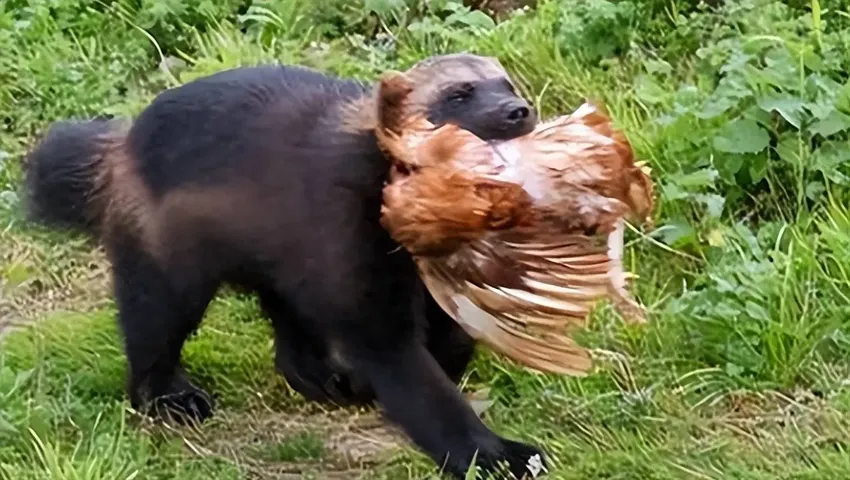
(742, 110)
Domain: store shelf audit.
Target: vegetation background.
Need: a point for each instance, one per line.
(742, 108)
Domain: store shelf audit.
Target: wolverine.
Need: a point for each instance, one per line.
(269, 178)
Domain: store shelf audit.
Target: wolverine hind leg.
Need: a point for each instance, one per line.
(302, 358)
(158, 308)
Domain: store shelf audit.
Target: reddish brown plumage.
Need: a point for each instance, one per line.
(461, 208)
(517, 239)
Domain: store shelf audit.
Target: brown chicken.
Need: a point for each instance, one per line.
(516, 240)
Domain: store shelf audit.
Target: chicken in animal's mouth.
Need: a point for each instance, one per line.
(518, 239)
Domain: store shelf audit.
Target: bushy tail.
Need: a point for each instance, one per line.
(67, 174)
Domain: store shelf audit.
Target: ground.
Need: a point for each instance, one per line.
(741, 108)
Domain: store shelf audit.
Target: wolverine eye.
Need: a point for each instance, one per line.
(463, 92)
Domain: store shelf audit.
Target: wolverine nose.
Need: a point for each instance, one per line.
(517, 114)
(518, 111)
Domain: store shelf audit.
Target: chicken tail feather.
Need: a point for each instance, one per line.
(623, 301)
(552, 353)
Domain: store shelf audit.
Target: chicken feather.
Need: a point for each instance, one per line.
(516, 240)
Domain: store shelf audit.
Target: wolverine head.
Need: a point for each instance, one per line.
(472, 92)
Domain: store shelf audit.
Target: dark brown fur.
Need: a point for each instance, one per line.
(270, 178)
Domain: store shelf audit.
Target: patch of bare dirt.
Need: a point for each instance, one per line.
(352, 441)
(37, 278)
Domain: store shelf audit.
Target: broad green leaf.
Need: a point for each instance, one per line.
(649, 91)
(830, 159)
(781, 71)
(383, 7)
(788, 148)
(758, 115)
(687, 95)
(729, 165)
(479, 19)
(454, 6)
(814, 190)
(671, 191)
(758, 168)
(725, 285)
(843, 98)
(475, 18)
(822, 87)
(713, 204)
(791, 108)
(813, 61)
(439, 5)
(737, 60)
(676, 232)
(716, 106)
(704, 177)
(820, 109)
(734, 87)
(832, 154)
(834, 123)
(741, 136)
(658, 66)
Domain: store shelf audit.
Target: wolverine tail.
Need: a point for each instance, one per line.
(67, 174)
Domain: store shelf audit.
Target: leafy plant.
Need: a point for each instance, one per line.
(759, 313)
(771, 110)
